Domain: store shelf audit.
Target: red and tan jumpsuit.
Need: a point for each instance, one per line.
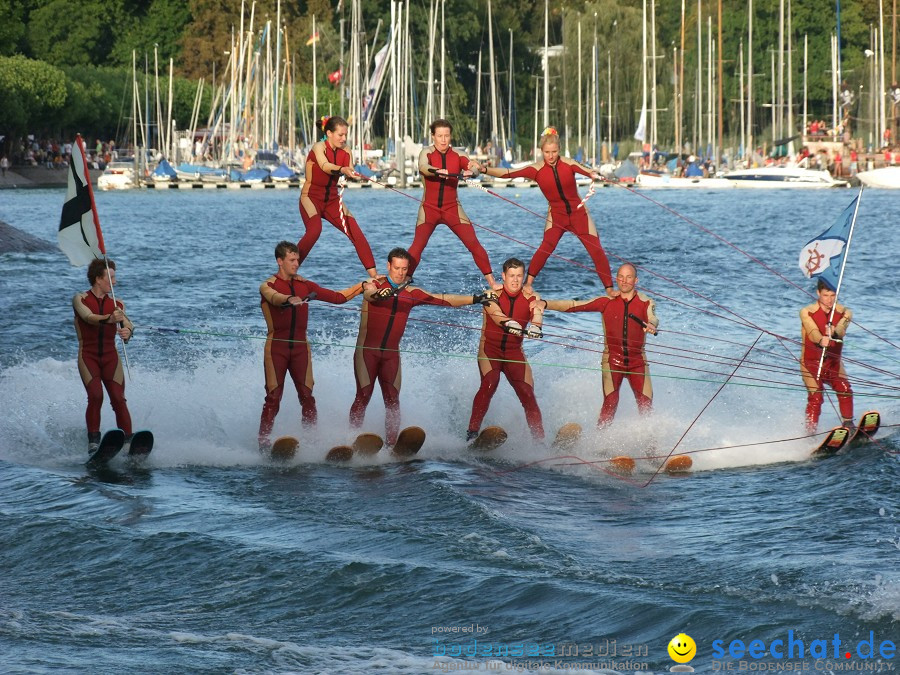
(557, 183)
(623, 355)
(286, 349)
(440, 204)
(813, 321)
(98, 359)
(377, 355)
(499, 352)
(319, 199)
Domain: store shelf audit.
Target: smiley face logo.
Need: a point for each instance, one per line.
(682, 648)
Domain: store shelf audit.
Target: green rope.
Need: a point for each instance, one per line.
(469, 357)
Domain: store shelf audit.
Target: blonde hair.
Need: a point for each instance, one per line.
(549, 135)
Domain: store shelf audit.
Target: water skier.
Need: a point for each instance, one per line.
(626, 321)
(283, 298)
(98, 319)
(441, 166)
(500, 351)
(320, 197)
(555, 177)
(387, 302)
(818, 335)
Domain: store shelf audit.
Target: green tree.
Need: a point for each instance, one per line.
(162, 26)
(57, 36)
(12, 26)
(32, 93)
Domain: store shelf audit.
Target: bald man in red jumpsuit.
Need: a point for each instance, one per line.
(626, 321)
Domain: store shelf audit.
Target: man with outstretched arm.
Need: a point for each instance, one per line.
(97, 322)
(504, 327)
(283, 298)
(818, 335)
(626, 321)
(387, 302)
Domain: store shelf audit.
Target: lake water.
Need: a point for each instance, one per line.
(213, 560)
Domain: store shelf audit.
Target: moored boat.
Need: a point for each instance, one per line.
(783, 177)
(118, 175)
(887, 177)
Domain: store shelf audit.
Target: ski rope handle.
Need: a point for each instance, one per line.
(590, 193)
(341, 184)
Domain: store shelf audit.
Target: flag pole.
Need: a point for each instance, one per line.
(837, 291)
(100, 242)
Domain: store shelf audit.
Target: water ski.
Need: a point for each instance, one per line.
(141, 444)
(368, 444)
(869, 424)
(340, 453)
(679, 464)
(110, 444)
(567, 436)
(409, 442)
(490, 438)
(284, 448)
(623, 465)
(834, 440)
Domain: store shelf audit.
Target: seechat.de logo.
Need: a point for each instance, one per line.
(682, 649)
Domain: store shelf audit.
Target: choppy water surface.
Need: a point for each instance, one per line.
(213, 560)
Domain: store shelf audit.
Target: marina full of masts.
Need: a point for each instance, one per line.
(258, 131)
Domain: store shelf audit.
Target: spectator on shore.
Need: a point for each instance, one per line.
(4, 165)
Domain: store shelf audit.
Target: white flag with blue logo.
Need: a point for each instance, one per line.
(824, 256)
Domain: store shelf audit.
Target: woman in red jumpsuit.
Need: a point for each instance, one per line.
(555, 176)
(320, 197)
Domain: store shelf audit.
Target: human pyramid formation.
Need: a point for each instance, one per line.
(512, 311)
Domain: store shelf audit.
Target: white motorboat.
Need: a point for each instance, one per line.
(783, 177)
(887, 177)
(118, 175)
(665, 180)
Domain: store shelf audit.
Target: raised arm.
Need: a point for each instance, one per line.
(580, 168)
(593, 305)
(529, 171)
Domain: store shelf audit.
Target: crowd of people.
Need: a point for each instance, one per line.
(512, 312)
(52, 154)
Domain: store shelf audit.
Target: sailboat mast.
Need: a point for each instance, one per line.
(749, 147)
(698, 113)
(546, 63)
(778, 130)
(315, 88)
(721, 109)
(478, 101)
(492, 77)
(511, 98)
(443, 68)
(653, 78)
(429, 89)
(578, 59)
(790, 77)
(741, 87)
(679, 89)
(644, 66)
